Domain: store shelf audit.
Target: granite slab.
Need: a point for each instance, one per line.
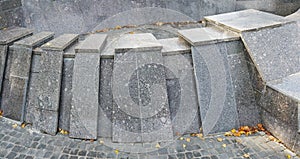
(92, 44)
(66, 94)
(3, 55)
(289, 86)
(60, 43)
(274, 51)
(36, 39)
(85, 99)
(173, 46)
(12, 34)
(32, 98)
(138, 42)
(207, 35)
(214, 87)
(21, 61)
(246, 20)
(106, 98)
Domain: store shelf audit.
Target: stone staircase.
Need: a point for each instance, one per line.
(145, 89)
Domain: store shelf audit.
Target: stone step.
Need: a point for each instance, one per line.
(19, 71)
(221, 82)
(140, 106)
(47, 98)
(174, 46)
(12, 34)
(246, 20)
(85, 88)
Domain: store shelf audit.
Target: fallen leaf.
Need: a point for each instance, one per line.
(246, 155)
(23, 125)
(288, 156)
(236, 134)
(118, 27)
(132, 32)
(224, 145)
(157, 145)
(220, 139)
(159, 23)
(101, 142)
(92, 140)
(116, 151)
(188, 140)
(233, 131)
(15, 125)
(181, 138)
(184, 145)
(1, 113)
(228, 134)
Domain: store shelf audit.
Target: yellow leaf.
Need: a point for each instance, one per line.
(181, 138)
(23, 125)
(132, 32)
(1, 112)
(288, 156)
(101, 142)
(233, 131)
(246, 155)
(116, 151)
(118, 27)
(220, 139)
(224, 145)
(15, 125)
(157, 145)
(184, 145)
(228, 134)
(188, 140)
(159, 23)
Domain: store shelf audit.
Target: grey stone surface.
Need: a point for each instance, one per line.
(248, 110)
(214, 87)
(207, 35)
(140, 94)
(12, 34)
(182, 94)
(85, 100)
(274, 51)
(32, 97)
(173, 46)
(21, 61)
(92, 44)
(138, 42)
(36, 39)
(60, 43)
(288, 86)
(246, 20)
(66, 94)
(106, 99)
(3, 54)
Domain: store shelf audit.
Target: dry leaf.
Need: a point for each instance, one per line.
(228, 134)
(101, 142)
(15, 125)
(116, 151)
(288, 156)
(157, 145)
(159, 23)
(23, 125)
(233, 131)
(184, 145)
(1, 113)
(188, 140)
(118, 27)
(246, 155)
(220, 139)
(224, 145)
(132, 32)
(181, 138)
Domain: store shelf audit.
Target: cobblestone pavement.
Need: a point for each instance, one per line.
(23, 143)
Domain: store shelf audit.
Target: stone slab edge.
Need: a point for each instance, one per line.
(96, 47)
(64, 41)
(23, 33)
(36, 39)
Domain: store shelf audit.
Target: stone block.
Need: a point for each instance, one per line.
(274, 51)
(51, 61)
(35, 40)
(35, 63)
(85, 100)
(45, 120)
(207, 35)
(66, 94)
(12, 34)
(60, 43)
(215, 90)
(3, 55)
(246, 20)
(137, 42)
(175, 46)
(32, 97)
(21, 61)
(140, 94)
(182, 94)
(16, 100)
(92, 44)
(106, 99)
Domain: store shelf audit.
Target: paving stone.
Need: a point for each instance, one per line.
(155, 122)
(12, 34)
(214, 86)
(92, 44)
(66, 94)
(36, 39)
(207, 35)
(138, 42)
(246, 20)
(174, 46)
(106, 98)
(85, 102)
(60, 43)
(274, 51)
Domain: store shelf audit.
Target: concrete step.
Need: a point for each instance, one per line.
(224, 88)
(85, 88)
